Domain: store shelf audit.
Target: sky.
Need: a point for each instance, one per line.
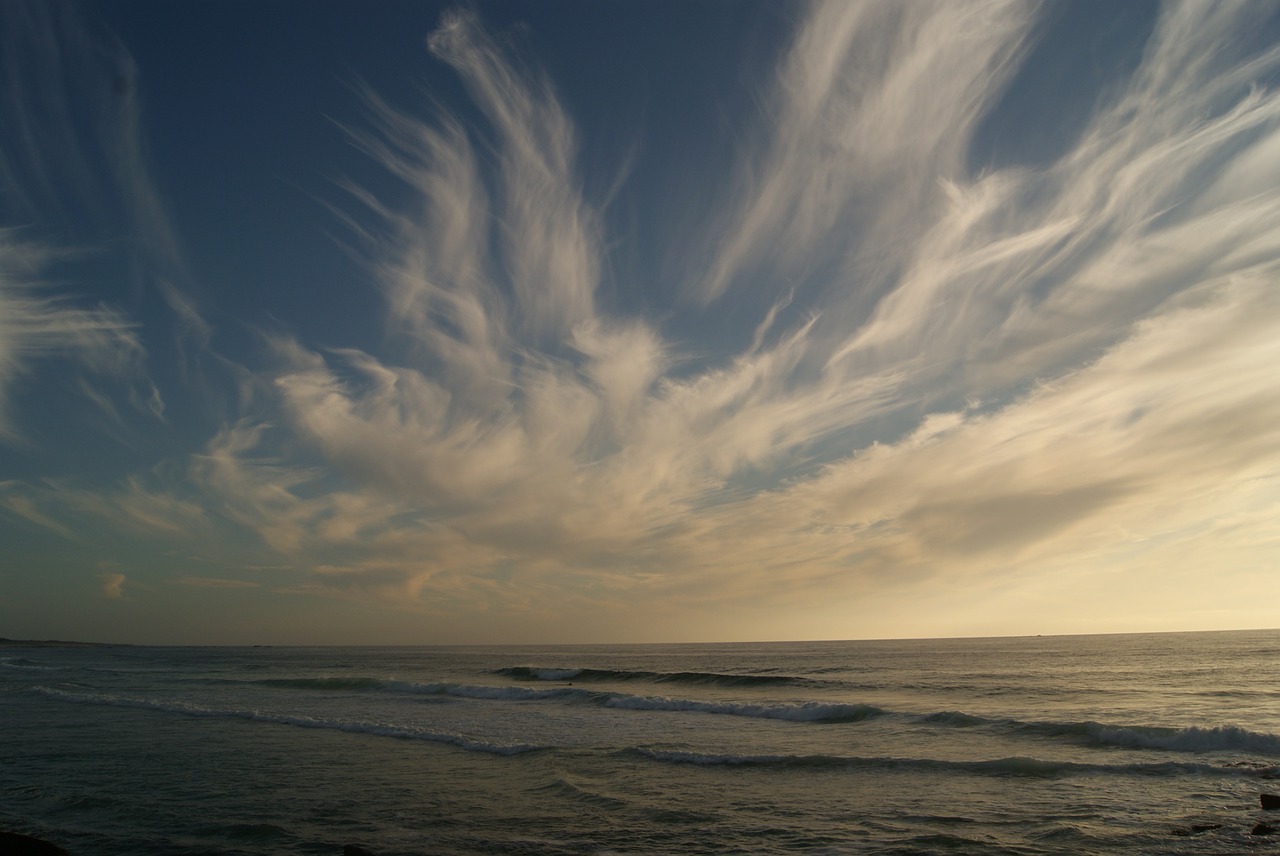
(325, 322)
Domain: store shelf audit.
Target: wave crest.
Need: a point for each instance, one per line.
(26, 665)
(541, 673)
(1191, 739)
(1222, 738)
(1012, 767)
(798, 712)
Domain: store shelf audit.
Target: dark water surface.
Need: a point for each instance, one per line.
(1056, 745)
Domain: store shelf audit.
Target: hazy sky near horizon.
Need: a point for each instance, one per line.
(403, 322)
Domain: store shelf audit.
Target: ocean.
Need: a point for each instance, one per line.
(1153, 743)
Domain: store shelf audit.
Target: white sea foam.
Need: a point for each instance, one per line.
(691, 725)
(1194, 739)
(733, 760)
(26, 665)
(701, 678)
(808, 711)
(556, 674)
(1222, 738)
(798, 712)
(1191, 740)
(1014, 767)
(488, 693)
(470, 691)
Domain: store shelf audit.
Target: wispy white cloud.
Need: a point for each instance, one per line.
(549, 238)
(1177, 411)
(76, 188)
(16, 498)
(951, 377)
(591, 452)
(143, 506)
(36, 325)
(873, 105)
(998, 280)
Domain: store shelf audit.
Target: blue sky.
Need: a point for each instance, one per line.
(652, 321)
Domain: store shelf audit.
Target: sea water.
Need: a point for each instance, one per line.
(1156, 743)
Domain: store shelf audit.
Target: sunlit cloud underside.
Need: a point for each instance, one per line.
(934, 397)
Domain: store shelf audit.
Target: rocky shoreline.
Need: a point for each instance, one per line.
(16, 844)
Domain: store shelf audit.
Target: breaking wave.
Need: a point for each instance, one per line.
(1192, 739)
(535, 673)
(488, 693)
(1222, 738)
(26, 665)
(798, 712)
(807, 711)
(385, 685)
(1000, 767)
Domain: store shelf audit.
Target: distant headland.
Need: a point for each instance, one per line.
(56, 643)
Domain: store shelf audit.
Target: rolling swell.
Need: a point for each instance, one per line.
(1195, 739)
(1184, 740)
(25, 664)
(535, 673)
(324, 684)
(382, 685)
(373, 728)
(803, 711)
(797, 712)
(806, 711)
(1192, 739)
(999, 767)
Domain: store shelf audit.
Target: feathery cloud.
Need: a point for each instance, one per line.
(943, 373)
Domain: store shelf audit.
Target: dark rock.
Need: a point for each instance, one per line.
(13, 844)
(1269, 800)
(1195, 828)
(1263, 829)
(355, 850)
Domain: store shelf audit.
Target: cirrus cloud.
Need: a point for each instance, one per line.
(943, 375)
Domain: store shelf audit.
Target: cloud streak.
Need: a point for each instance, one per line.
(37, 325)
(1005, 277)
(77, 192)
(948, 375)
(872, 107)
